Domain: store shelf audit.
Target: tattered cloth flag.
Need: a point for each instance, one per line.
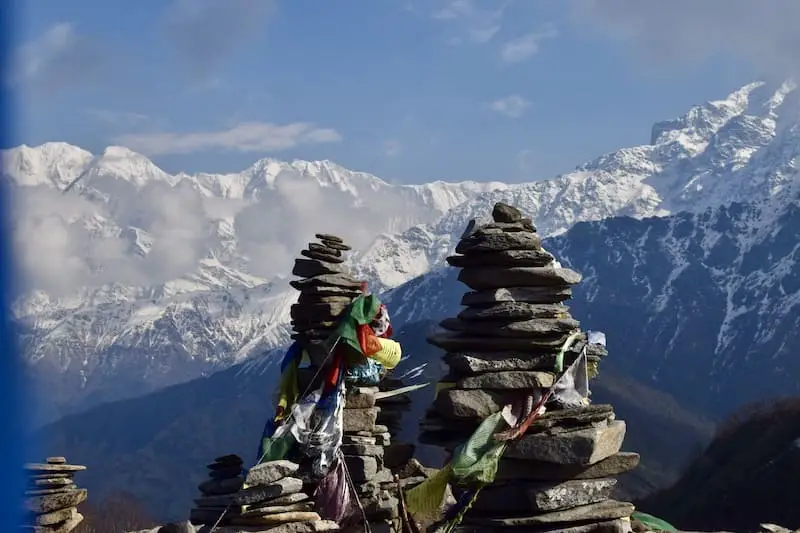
(334, 498)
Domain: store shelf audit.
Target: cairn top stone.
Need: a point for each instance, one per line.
(56, 460)
(329, 237)
(503, 212)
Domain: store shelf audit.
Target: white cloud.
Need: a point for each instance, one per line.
(475, 23)
(513, 106)
(58, 57)
(392, 148)
(244, 137)
(206, 32)
(524, 47)
(761, 35)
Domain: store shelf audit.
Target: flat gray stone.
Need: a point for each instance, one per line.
(55, 517)
(581, 447)
(270, 472)
(369, 450)
(276, 519)
(324, 256)
(47, 503)
(534, 295)
(619, 525)
(472, 404)
(360, 419)
(482, 278)
(543, 497)
(506, 311)
(294, 527)
(307, 268)
(262, 493)
(360, 398)
(361, 468)
(485, 242)
(46, 468)
(524, 328)
(471, 363)
(601, 511)
(457, 342)
(511, 380)
(513, 469)
(342, 281)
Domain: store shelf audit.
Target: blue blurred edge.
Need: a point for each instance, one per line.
(11, 402)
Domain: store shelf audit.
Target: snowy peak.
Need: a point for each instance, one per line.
(54, 164)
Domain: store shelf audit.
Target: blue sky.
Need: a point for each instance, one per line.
(410, 90)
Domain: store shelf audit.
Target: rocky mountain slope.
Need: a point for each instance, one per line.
(180, 275)
(155, 446)
(746, 476)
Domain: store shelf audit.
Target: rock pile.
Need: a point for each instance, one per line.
(560, 474)
(363, 448)
(325, 290)
(267, 498)
(52, 497)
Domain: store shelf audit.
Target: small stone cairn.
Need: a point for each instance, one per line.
(559, 476)
(268, 498)
(52, 497)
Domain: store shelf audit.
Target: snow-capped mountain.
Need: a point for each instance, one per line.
(138, 277)
(140, 274)
(705, 306)
(742, 148)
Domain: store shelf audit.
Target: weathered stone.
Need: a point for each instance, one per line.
(620, 525)
(66, 527)
(502, 212)
(458, 342)
(270, 472)
(50, 482)
(44, 467)
(361, 468)
(534, 295)
(360, 419)
(318, 312)
(307, 268)
(481, 278)
(293, 527)
(504, 226)
(513, 379)
(584, 447)
(261, 493)
(360, 398)
(525, 496)
(57, 460)
(221, 486)
(324, 257)
(370, 450)
(481, 242)
(327, 280)
(287, 499)
(48, 503)
(276, 519)
(310, 299)
(514, 311)
(470, 363)
(54, 517)
(595, 512)
(511, 469)
(322, 249)
(310, 291)
(44, 492)
(522, 329)
(329, 237)
(358, 439)
(458, 403)
(275, 509)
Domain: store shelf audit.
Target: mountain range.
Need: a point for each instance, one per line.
(135, 279)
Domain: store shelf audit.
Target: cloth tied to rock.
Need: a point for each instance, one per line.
(475, 462)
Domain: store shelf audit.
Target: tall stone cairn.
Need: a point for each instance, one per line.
(268, 498)
(559, 476)
(52, 497)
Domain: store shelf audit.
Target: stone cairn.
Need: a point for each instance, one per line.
(559, 475)
(268, 498)
(52, 497)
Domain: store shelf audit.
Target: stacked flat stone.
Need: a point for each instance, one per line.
(52, 497)
(393, 407)
(268, 498)
(363, 448)
(559, 476)
(325, 290)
